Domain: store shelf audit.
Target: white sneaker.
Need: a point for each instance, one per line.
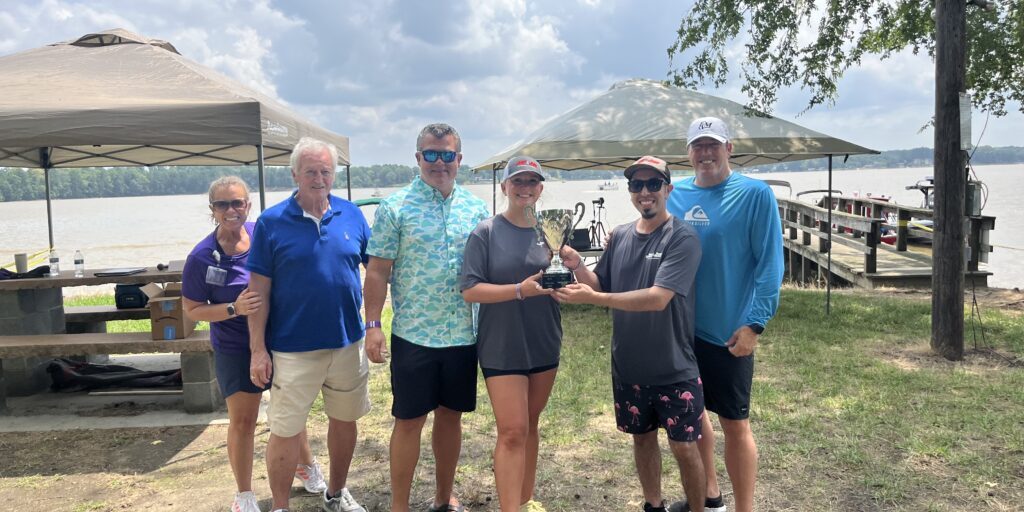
(312, 477)
(245, 502)
(343, 502)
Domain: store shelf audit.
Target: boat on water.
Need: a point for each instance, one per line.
(377, 193)
(608, 185)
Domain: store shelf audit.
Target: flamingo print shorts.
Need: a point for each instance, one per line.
(677, 408)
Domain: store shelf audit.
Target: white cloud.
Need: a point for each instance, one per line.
(378, 71)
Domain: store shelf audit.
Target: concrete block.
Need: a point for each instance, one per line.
(3, 391)
(197, 367)
(16, 302)
(26, 375)
(39, 322)
(202, 397)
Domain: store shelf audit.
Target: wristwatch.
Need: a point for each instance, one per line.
(757, 328)
(231, 310)
(373, 323)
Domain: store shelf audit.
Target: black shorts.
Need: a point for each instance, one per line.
(675, 407)
(233, 374)
(727, 379)
(424, 378)
(491, 372)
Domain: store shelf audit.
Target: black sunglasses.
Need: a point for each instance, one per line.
(237, 204)
(653, 185)
(431, 155)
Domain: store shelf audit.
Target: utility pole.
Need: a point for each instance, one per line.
(950, 180)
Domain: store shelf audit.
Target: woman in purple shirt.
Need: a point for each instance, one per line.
(214, 289)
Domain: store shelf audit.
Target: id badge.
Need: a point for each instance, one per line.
(216, 276)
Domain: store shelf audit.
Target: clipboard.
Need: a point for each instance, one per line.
(125, 271)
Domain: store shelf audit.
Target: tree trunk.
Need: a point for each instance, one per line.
(950, 181)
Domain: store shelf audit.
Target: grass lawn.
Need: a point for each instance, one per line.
(851, 411)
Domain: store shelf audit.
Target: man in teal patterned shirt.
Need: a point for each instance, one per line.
(418, 238)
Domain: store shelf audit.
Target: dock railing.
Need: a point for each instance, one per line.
(801, 220)
(858, 223)
(905, 220)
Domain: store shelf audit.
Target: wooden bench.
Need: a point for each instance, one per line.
(87, 314)
(93, 319)
(200, 390)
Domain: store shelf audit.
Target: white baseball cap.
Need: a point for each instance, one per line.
(712, 127)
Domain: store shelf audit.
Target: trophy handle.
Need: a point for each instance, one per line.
(579, 209)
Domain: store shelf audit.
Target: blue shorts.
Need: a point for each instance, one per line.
(233, 373)
(677, 408)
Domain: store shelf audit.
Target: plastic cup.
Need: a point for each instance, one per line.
(21, 262)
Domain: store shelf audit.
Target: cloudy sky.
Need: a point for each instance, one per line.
(378, 70)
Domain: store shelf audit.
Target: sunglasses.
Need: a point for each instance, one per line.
(431, 155)
(653, 185)
(223, 206)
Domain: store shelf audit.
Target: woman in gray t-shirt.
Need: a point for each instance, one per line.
(520, 331)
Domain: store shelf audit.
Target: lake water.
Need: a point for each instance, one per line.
(136, 231)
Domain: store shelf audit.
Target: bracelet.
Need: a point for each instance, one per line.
(577, 267)
(519, 291)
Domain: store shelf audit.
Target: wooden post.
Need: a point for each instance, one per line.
(903, 229)
(872, 238)
(950, 181)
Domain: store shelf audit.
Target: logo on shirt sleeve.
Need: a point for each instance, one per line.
(697, 217)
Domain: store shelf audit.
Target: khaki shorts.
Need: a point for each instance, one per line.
(341, 374)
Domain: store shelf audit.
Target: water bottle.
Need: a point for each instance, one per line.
(79, 264)
(54, 264)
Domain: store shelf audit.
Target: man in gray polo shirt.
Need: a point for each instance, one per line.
(646, 275)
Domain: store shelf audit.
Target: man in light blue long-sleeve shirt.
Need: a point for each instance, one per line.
(737, 290)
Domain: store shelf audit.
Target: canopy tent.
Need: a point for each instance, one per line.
(118, 99)
(646, 117)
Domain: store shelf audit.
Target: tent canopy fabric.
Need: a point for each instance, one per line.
(115, 98)
(645, 117)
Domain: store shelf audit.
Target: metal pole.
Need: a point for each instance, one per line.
(828, 275)
(348, 180)
(494, 189)
(44, 160)
(263, 186)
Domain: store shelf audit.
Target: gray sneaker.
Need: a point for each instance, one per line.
(343, 502)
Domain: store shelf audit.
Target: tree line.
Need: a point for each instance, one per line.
(28, 184)
(916, 157)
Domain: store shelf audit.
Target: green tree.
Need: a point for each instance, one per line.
(779, 53)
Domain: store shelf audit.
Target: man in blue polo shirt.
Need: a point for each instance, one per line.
(304, 262)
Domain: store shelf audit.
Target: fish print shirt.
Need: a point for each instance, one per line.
(424, 234)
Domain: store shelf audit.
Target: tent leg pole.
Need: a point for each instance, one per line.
(262, 178)
(49, 209)
(828, 275)
(494, 190)
(348, 180)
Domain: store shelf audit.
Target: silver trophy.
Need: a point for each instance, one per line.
(555, 227)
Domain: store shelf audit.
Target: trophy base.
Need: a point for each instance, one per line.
(555, 278)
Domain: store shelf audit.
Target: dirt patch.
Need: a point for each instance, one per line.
(922, 357)
(1006, 299)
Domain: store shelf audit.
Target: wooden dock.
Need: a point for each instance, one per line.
(859, 257)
